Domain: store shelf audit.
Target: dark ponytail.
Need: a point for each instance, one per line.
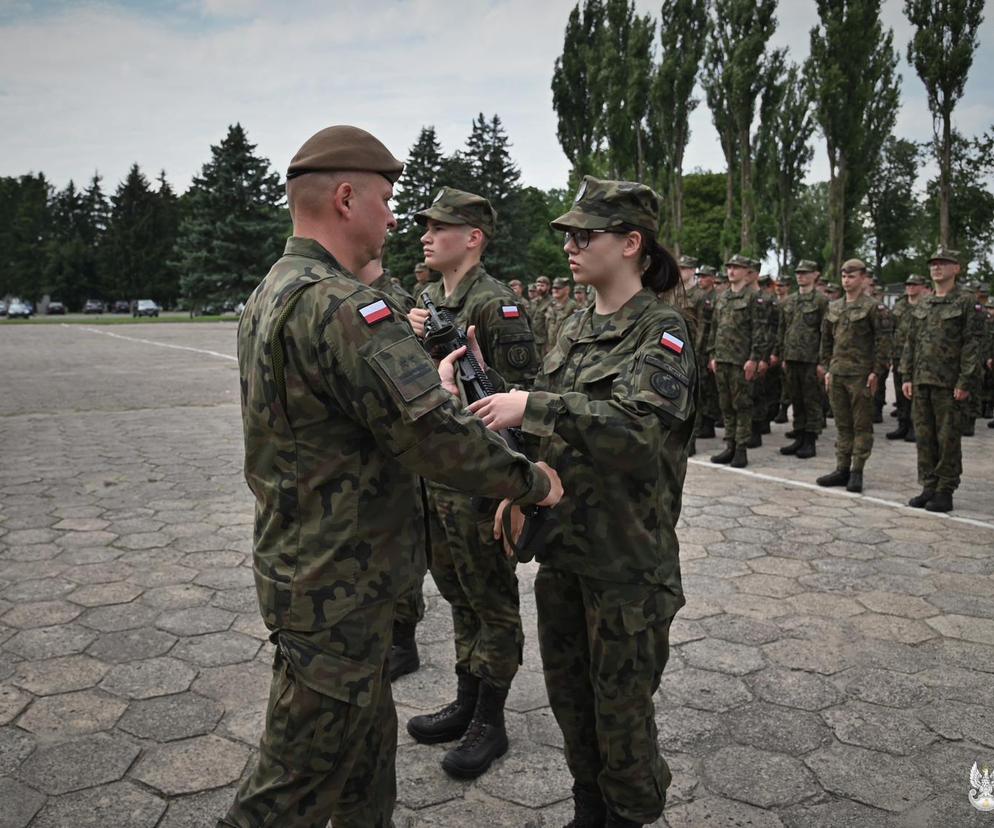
(662, 273)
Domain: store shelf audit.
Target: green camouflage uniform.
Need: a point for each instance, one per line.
(555, 315)
(941, 353)
(890, 326)
(853, 345)
(799, 346)
(701, 304)
(468, 565)
(739, 333)
(536, 314)
(342, 410)
(902, 314)
(767, 397)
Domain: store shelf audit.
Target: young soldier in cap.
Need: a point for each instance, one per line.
(875, 289)
(580, 296)
(738, 344)
(614, 407)
(770, 382)
(533, 294)
(798, 348)
(518, 288)
(342, 410)
(853, 353)
(472, 574)
(422, 277)
(781, 286)
(938, 365)
(914, 288)
(561, 309)
(703, 296)
(539, 306)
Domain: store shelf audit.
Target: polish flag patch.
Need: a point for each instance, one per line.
(673, 343)
(510, 311)
(376, 312)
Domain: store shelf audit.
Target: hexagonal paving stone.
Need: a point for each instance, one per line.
(824, 657)
(716, 812)
(179, 596)
(118, 804)
(688, 730)
(793, 688)
(15, 746)
(419, 782)
(99, 595)
(192, 765)
(476, 808)
(883, 687)
(131, 645)
(236, 684)
(838, 813)
(195, 621)
(162, 574)
(20, 803)
(41, 614)
(143, 540)
(247, 722)
(117, 617)
(704, 690)
(723, 656)
(227, 578)
(772, 586)
(778, 729)
(12, 702)
(740, 630)
(49, 642)
(889, 782)
(189, 811)
(76, 540)
(527, 692)
(72, 714)
(149, 678)
(955, 720)
(217, 649)
(59, 675)
(39, 589)
(759, 777)
(892, 628)
(168, 718)
(82, 763)
(966, 627)
(534, 777)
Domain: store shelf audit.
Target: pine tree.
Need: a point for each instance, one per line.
(234, 225)
(857, 91)
(70, 251)
(25, 223)
(941, 51)
(890, 199)
(127, 250)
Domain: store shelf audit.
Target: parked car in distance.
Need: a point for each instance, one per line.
(93, 306)
(120, 306)
(145, 307)
(55, 309)
(18, 310)
(3, 308)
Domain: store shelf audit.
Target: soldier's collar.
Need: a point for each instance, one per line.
(622, 320)
(311, 249)
(470, 278)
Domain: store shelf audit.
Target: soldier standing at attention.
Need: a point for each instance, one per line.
(704, 298)
(781, 287)
(799, 348)
(580, 296)
(853, 353)
(914, 287)
(342, 410)
(532, 295)
(938, 365)
(769, 384)
(422, 277)
(737, 346)
(467, 563)
(561, 309)
(518, 288)
(537, 314)
(613, 407)
(875, 289)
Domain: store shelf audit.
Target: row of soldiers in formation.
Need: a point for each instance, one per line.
(763, 349)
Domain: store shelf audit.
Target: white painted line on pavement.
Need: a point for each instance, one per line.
(839, 493)
(152, 342)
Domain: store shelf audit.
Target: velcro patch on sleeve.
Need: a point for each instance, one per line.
(375, 312)
(672, 342)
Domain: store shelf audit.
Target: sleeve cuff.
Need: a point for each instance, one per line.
(538, 491)
(540, 413)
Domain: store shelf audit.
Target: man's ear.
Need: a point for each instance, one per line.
(344, 199)
(476, 239)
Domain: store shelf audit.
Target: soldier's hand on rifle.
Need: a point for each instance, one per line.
(417, 317)
(960, 394)
(871, 383)
(475, 346)
(447, 371)
(500, 411)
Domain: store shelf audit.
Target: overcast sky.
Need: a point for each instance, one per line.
(88, 86)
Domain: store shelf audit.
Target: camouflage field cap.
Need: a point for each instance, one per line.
(688, 261)
(452, 206)
(915, 279)
(337, 148)
(984, 288)
(832, 287)
(421, 267)
(764, 279)
(543, 279)
(720, 276)
(782, 279)
(853, 265)
(741, 260)
(560, 282)
(806, 266)
(601, 204)
(944, 254)
(706, 271)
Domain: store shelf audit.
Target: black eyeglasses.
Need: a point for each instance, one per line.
(581, 238)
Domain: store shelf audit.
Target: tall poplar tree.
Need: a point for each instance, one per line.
(718, 91)
(890, 199)
(857, 92)
(941, 50)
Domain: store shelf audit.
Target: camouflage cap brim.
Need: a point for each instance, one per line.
(579, 220)
(436, 214)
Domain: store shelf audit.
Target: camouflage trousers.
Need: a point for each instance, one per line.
(604, 647)
(938, 422)
(479, 583)
(330, 742)
(880, 397)
(736, 398)
(804, 392)
(410, 607)
(852, 404)
(903, 403)
(708, 406)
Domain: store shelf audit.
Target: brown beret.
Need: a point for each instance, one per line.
(344, 148)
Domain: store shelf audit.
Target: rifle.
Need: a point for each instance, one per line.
(443, 336)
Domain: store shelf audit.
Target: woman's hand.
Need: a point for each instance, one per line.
(447, 371)
(417, 318)
(500, 411)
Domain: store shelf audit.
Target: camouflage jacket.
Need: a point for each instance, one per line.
(740, 328)
(502, 328)
(342, 409)
(799, 336)
(613, 412)
(943, 340)
(900, 314)
(854, 338)
(536, 312)
(554, 318)
(401, 298)
(700, 303)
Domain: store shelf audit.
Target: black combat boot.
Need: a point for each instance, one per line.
(988, 410)
(449, 723)
(878, 414)
(791, 448)
(485, 738)
(969, 427)
(919, 501)
(840, 477)
(617, 821)
(589, 810)
(706, 429)
(741, 459)
(910, 437)
(900, 432)
(807, 449)
(726, 455)
(940, 502)
(793, 434)
(756, 438)
(404, 657)
(855, 483)
(764, 427)
(781, 417)
(692, 450)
